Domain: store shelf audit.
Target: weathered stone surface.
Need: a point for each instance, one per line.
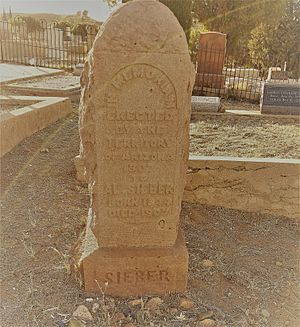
(134, 120)
(137, 271)
(250, 184)
(205, 104)
(134, 126)
(215, 44)
(210, 61)
(18, 124)
(280, 98)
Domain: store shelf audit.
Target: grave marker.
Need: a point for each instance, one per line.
(280, 98)
(134, 121)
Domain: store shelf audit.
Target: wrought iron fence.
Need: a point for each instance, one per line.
(217, 75)
(56, 45)
(45, 44)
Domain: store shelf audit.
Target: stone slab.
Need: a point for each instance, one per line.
(260, 185)
(134, 122)
(134, 272)
(205, 104)
(10, 73)
(56, 86)
(18, 124)
(281, 98)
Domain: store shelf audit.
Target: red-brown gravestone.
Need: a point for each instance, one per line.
(211, 58)
(134, 121)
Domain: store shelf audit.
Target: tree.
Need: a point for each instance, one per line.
(259, 46)
(195, 33)
(237, 18)
(272, 46)
(182, 9)
(286, 37)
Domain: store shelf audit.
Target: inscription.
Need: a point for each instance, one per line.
(139, 115)
(139, 124)
(149, 73)
(136, 277)
(283, 96)
(122, 143)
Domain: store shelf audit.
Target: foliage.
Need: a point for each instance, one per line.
(259, 46)
(195, 33)
(237, 18)
(80, 29)
(63, 24)
(182, 9)
(269, 46)
(286, 39)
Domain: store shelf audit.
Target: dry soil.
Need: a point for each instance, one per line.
(243, 267)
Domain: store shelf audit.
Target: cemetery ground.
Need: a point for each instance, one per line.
(243, 267)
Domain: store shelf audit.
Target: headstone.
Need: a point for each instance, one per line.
(134, 122)
(280, 98)
(271, 71)
(205, 104)
(211, 58)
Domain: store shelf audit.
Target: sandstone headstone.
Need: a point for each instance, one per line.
(134, 121)
(211, 58)
(280, 98)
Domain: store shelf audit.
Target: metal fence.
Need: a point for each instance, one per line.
(57, 45)
(45, 44)
(217, 75)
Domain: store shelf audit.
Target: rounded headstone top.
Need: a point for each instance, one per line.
(142, 26)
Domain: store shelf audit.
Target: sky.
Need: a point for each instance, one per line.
(97, 9)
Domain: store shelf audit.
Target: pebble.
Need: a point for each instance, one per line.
(82, 312)
(205, 315)
(186, 304)
(75, 323)
(279, 264)
(154, 303)
(135, 303)
(265, 313)
(173, 311)
(95, 307)
(119, 316)
(89, 299)
(207, 323)
(207, 263)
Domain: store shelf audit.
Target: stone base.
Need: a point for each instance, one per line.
(205, 104)
(136, 272)
(280, 110)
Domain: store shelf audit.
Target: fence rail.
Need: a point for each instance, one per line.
(46, 44)
(56, 45)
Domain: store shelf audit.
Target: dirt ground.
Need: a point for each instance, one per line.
(245, 136)
(4, 108)
(243, 267)
(51, 82)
